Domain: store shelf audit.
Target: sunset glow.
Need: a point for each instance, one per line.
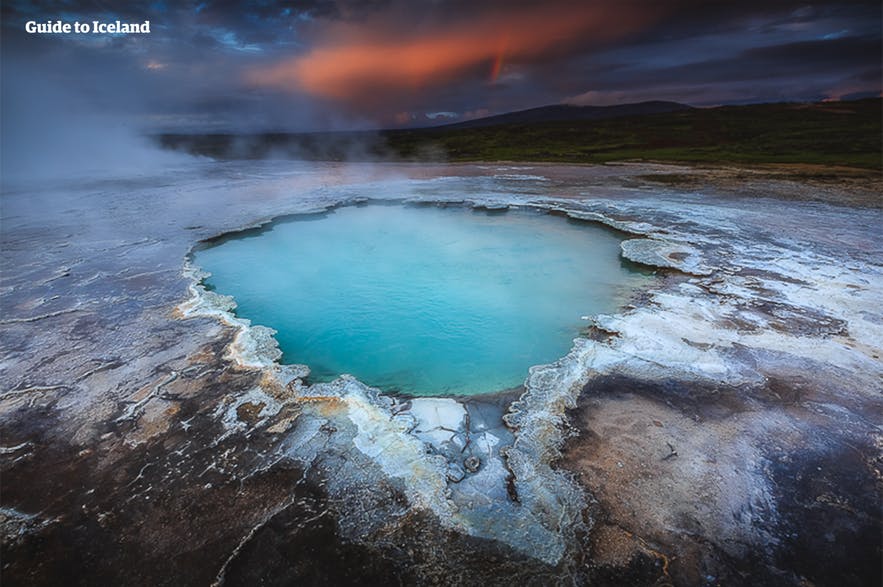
(358, 60)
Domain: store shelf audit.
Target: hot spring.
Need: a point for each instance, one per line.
(422, 300)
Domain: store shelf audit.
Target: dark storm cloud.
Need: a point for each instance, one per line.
(805, 57)
(186, 74)
(805, 70)
(210, 65)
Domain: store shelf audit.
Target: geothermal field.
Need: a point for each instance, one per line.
(332, 293)
(713, 417)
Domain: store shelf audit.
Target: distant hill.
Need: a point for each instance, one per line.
(568, 112)
(824, 133)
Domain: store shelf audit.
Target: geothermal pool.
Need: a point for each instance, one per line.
(422, 301)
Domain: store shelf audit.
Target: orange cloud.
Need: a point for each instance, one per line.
(356, 61)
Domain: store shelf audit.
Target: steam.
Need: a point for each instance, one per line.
(53, 131)
(62, 121)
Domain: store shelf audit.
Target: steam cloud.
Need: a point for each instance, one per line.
(52, 131)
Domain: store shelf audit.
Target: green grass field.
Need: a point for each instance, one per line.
(832, 133)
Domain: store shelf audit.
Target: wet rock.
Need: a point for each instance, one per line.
(249, 412)
(472, 464)
(659, 253)
(455, 473)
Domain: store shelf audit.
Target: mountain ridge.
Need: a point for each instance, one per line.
(567, 112)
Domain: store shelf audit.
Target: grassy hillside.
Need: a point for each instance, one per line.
(835, 133)
(829, 133)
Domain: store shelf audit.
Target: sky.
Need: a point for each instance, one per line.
(213, 66)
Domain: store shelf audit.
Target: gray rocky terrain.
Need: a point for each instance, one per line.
(722, 428)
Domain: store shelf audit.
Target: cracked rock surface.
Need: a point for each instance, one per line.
(724, 427)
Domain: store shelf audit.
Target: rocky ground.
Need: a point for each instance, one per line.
(723, 428)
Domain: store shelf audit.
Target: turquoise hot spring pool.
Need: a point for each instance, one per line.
(425, 301)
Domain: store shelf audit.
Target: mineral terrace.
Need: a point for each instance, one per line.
(725, 427)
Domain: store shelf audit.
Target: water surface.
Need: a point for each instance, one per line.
(422, 301)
